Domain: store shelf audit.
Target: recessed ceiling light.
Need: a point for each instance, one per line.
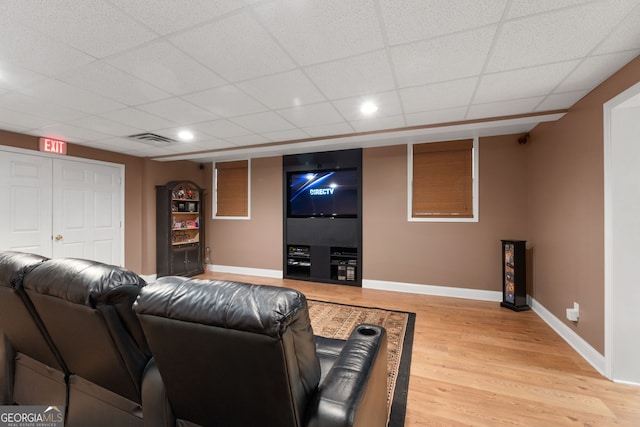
(368, 108)
(185, 135)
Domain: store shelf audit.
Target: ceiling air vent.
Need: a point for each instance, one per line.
(152, 138)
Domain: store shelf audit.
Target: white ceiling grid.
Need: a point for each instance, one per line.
(245, 72)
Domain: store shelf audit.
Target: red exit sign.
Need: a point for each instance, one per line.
(53, 146)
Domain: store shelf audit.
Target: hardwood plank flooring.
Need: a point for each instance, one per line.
(477, 364)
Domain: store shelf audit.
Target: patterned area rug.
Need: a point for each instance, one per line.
(333, 320)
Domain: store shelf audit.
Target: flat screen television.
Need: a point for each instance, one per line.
(330, 193)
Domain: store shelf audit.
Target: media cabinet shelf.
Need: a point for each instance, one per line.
(344, 264)
(298, 261)
(179, 229)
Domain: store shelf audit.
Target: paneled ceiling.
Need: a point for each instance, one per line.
(248, 77)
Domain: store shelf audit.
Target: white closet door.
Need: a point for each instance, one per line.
(25, 212)
(87, 211)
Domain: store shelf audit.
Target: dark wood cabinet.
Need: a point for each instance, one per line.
(514, 275)
(179, 229)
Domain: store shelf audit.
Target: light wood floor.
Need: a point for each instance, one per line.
(477, 364)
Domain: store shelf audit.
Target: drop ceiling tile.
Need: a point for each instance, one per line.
(594, 70)
(312, 115)
(367, 73)
(225, 101)
(523, 83)
(138, 119)
(166, 67)
(72, 133)
(237, 48)
(24, 120)
(520, 8)
(554, 36)
(438, 116)
(320, 31)
(388, 105)
(438, 96)
(505, 108)
(58, 92)
(164, 17)
(626, 35)
(286, 135)
(37, 107)
(12, 127)
(182, 148)
(120, 144)
(247, 140)
(267, 121)
(178, 111)
(12, 77)
(328, 130)
(288, 89)
(101, 78)
(411, 20)
(105, 126)
(221, 129)
(23, 47)
(214, 144)
(561, 101)
(91, 26)
(445, 58)
(378, 123)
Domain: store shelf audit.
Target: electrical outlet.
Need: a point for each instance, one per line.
(573, 314)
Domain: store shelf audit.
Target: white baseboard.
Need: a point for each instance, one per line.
(443, 291)
(248, 271)
(583, 348)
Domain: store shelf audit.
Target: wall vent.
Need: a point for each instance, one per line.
(152, 138)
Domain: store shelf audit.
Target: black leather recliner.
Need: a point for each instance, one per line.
(235, 354)
(86, 307)
(31, 369)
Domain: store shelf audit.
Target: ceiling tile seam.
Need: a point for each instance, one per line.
(487, 58)
(30, 28)
(392, 66)
(551, 11)
(590, 54)
(299, 68)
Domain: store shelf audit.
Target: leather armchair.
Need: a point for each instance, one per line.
(235, 354)
(32, 371)
(86, 307)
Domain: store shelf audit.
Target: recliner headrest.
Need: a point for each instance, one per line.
(14, 266)
(84, 282)
(231, 305)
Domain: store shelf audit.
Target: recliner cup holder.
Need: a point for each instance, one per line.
(367, 331)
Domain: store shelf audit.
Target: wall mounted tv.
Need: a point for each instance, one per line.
(330, 193)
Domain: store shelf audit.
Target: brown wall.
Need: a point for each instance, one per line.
(141, 176)
(463, 255)
(254, 243)
(566, 199)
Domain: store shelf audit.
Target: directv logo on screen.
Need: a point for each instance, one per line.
(323, 194)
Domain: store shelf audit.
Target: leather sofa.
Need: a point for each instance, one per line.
(70, 339)
(177, 352)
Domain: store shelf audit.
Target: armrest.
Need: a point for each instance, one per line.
(7, 366)
(354, 392)
(156, 409)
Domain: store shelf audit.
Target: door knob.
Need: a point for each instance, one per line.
(58, 236)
